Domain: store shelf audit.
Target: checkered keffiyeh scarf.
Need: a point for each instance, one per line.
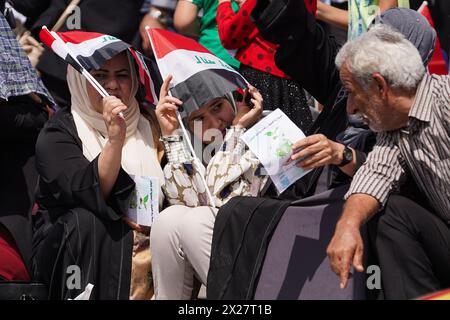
(17, 75)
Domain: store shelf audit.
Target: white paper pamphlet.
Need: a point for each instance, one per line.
(271, 141)
(144, 202)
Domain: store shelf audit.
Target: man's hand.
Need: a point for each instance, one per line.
(148, 20)
(346, 249)
(32, 48)
(316, 151)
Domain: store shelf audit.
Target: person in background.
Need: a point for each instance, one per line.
(440, 13)
(24, 109)
(359, 15)
(157, 14)
(337, 17)
(186, 21)
(257, 58)
(114, 17)
(339, 31)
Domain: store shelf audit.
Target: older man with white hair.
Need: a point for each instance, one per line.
(389, 87)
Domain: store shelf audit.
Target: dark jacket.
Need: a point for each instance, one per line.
(114, 17)
(75, 224)
(306, 53)
(21, 119)
(68, 179)
(117, 18)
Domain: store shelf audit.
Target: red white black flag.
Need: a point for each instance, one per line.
(198, 75)
(90, 50)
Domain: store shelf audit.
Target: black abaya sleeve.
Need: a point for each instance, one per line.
(306, 51)
(21, 119)
(69, 180)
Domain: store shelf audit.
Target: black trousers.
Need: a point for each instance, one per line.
(413, 248)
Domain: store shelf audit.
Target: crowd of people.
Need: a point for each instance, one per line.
(376, 124)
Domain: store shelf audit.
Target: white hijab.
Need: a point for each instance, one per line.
(139, 154)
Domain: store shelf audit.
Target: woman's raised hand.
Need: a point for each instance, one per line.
(166, 110)
(115, 124)
(246, 115)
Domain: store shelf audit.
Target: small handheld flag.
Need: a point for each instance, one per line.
(52, 40)
(86, 51)
(198, 76)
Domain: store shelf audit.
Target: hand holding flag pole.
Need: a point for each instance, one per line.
(74, 61)
(187, 137)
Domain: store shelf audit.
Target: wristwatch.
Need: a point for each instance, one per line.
(347, 156)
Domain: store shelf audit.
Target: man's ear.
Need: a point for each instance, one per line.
(381, 84)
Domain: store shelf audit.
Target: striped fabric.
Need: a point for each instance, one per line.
(423, 147)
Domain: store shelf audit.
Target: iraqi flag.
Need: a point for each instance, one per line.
(437, 63)
(198, 75)
(90, 50)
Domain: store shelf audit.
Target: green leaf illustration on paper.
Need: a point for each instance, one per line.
(145, 201)
(284, 149)
(272, 133)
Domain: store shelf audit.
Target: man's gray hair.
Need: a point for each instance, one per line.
(383, 50)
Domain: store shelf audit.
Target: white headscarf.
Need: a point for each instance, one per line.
(139, 154)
